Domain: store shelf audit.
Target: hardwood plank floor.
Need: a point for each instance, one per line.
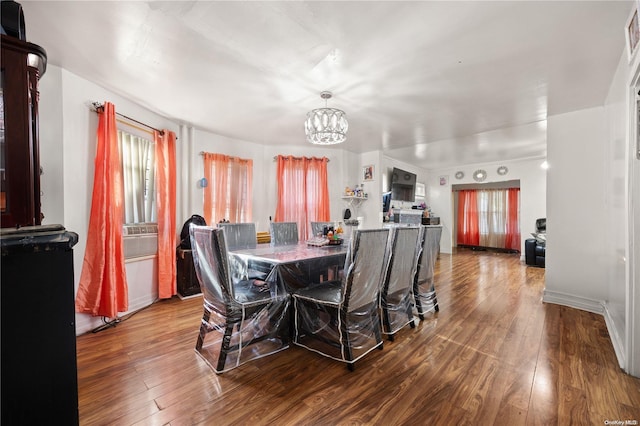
(494, 354)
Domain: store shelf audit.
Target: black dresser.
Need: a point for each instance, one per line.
(39, 370)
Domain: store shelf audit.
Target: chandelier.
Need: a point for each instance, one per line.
(326, 126)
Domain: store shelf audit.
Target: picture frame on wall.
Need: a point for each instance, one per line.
(367, 173)
(444, 180)
(632, 32)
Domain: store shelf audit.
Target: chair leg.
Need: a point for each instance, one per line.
(203, 329)
(224, 348)
(376, 330)
(351, 366)
(416, 292)
(386, 320)
(412, 322)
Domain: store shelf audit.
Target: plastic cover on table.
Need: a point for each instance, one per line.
(396, 298)
(328, 315)
(283, 233)
(424, 287)
(242, 321)
(240, 235)
(294, 265)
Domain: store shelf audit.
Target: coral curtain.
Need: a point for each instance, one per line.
(229, 191)
(489, 218)
(512, 234)
(165, 147)
(102, 290)
(303, 192)
(468, 230)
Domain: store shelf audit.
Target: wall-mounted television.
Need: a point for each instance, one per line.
(403, 185)
(386, 202)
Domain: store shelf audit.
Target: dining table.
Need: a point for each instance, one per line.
(294, 266)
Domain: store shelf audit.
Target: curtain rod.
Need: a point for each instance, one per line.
(97, 106)
(295, 158)
(274, 158)
(229, 156)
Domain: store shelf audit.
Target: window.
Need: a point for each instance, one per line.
(303, 192)
(138, 172)
(489, 218)
(228, 193)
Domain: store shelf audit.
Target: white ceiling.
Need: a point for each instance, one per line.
(430, 83)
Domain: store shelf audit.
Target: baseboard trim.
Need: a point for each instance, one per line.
(616, 339)
(572, 301)
(596, 307)
(86, 323)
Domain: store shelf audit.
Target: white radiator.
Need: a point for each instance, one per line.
(140, 240)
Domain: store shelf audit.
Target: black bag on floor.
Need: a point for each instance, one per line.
(185, 240)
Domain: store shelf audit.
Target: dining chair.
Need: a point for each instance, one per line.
(239, 235)
(318, 227)
(238, 314)
(396, 297)
(283, 233)
(340, 319)
(424, 290)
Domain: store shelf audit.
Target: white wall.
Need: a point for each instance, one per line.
(590, 250)
(68, 137)
(576, 255)
(532, 179)
(265, 190)
(50, 144)
(616, 157)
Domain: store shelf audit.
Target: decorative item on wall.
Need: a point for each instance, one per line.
(632, 32)
(459, 175)
(502, 170)
(367, 173)
(444, 180)
(479, 175)
(326, 126)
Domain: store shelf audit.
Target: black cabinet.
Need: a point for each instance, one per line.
(187, 281)
(39, 370)
(22, 65)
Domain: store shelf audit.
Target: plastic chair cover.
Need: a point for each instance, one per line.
(424, 288)
(241, 321)
(239, 235)
(318, 227)
(340, 319)
(283, 233)
(396, 297)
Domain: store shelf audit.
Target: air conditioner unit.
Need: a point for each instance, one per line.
(140, 240)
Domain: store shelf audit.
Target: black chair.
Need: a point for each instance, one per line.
(241, 321)
(283, 233)
(318, 227)
(340, 319)
(396, 298)
(240, 235)
(424, 290)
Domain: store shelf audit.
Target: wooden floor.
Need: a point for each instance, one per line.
(494, 354)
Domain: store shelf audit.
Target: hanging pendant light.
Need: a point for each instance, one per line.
(326, 126)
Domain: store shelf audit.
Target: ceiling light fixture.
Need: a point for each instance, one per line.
(326, 126)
